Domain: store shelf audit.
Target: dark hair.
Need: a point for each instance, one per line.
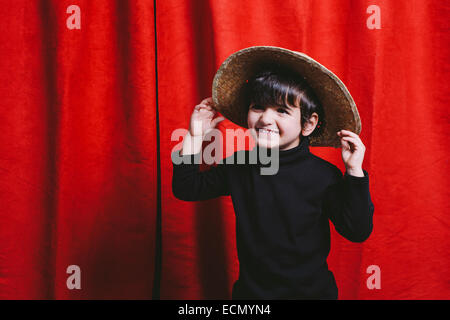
(277, 86)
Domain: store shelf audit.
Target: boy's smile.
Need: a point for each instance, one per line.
(275, 126)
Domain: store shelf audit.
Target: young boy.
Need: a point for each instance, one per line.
(282, 227)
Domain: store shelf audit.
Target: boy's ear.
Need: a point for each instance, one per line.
(310, 125)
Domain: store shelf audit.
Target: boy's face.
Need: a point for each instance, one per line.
(283, 123)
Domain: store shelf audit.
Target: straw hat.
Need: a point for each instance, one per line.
(229, 84)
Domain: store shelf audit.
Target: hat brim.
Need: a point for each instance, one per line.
(338, 105)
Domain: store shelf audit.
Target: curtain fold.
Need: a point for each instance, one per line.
(78, 180)
(87, 114)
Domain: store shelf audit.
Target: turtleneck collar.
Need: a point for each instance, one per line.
(287, 156)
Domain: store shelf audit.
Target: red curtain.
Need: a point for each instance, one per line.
(87, 117)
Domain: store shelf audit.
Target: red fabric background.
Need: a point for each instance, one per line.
(87, 117)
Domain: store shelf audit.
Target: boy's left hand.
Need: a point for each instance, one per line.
(352, 152)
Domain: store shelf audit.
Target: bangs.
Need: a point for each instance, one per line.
(267, 88)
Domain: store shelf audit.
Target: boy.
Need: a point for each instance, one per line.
(282, 227)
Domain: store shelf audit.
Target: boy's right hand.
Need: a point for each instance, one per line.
(202, 120)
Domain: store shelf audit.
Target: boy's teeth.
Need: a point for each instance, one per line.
(268, 131)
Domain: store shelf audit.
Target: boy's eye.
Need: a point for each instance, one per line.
(280, 110)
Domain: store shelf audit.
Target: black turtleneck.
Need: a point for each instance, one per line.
(282, 220)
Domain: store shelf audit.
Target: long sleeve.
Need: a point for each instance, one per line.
(189, 184)
(349, 206)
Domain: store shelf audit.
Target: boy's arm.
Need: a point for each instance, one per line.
(188, 183)
(349, 206)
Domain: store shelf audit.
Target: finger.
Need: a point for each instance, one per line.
(207, 101)
(216, 121)
(208, 107)
(348, 133)
(357, 140)
(350, 139)
(354, 143)
(345, 145)
(202, 107)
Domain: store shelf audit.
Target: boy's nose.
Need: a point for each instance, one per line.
(266, 117)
